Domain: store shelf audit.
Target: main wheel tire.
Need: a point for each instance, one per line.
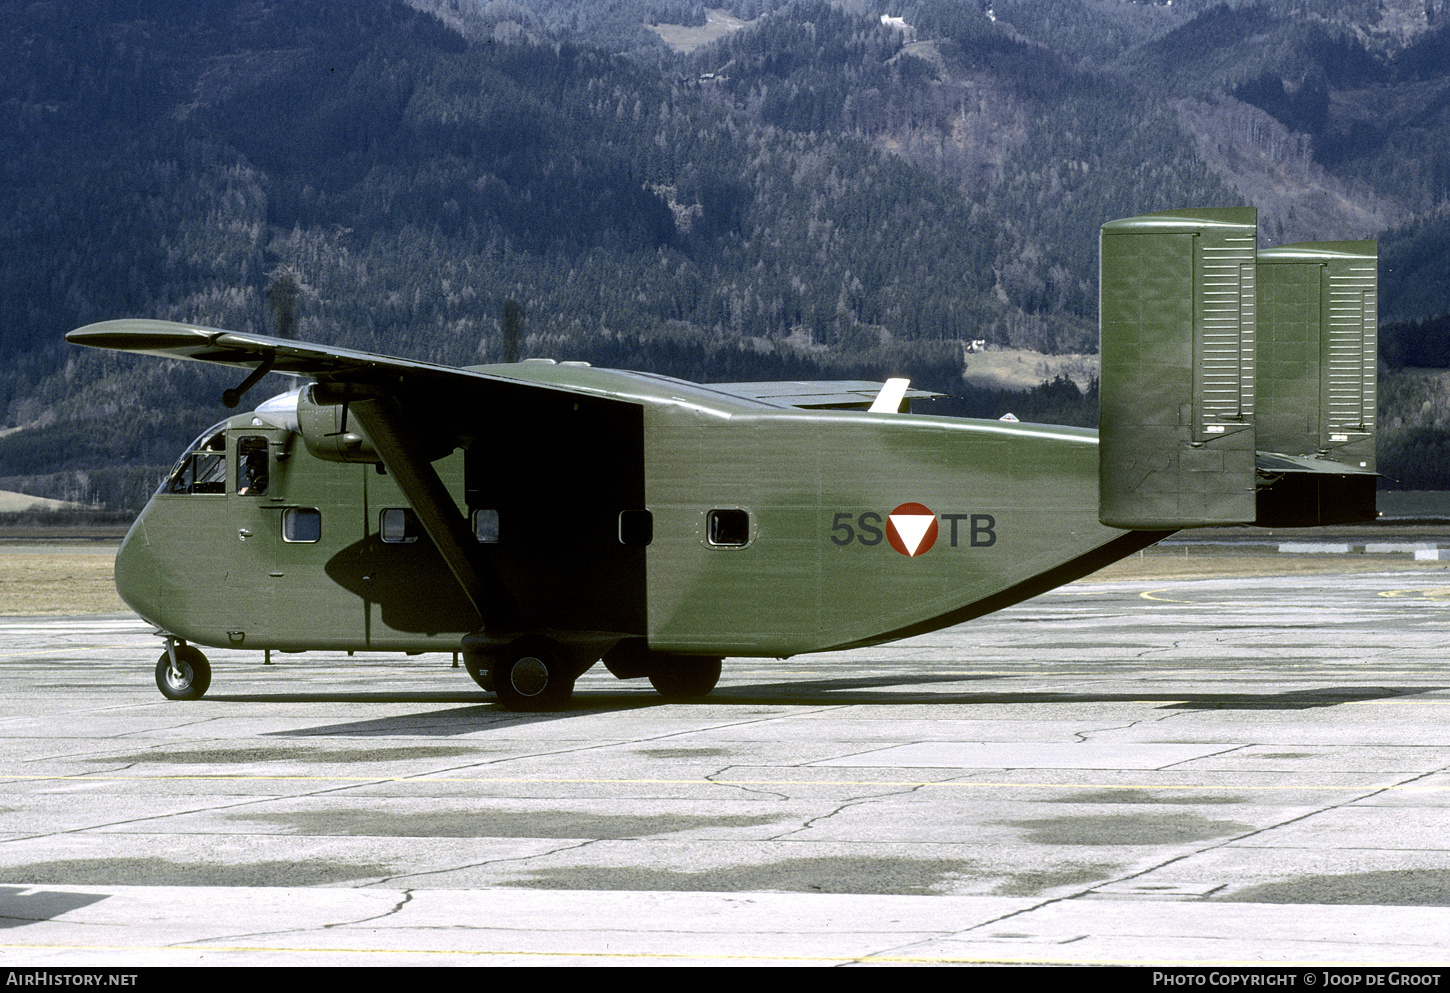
(533, 675)
(686, 677)
(191, 677)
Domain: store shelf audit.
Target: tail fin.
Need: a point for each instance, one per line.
(1176, 424)
(1317, 398)
(1238, 387)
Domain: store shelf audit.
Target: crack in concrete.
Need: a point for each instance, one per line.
(397, 907)
(598, 746)
(1082, 736)
(847, 805)
(385, 880)
(742, 787)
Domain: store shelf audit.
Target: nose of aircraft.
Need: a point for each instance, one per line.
(136, 578)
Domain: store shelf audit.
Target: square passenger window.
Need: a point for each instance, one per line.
(485, 526)
(301, 524)
(399, 526)
(728, 527)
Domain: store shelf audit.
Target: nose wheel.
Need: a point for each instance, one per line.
(182, 673)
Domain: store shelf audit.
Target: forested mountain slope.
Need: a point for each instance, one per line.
(816, 193)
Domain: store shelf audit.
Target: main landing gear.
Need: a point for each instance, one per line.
(534, 673)
(182, 672)
(674, 677)
(529, 674)
(685, 677)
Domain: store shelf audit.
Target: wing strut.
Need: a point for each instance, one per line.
(233, 397)
(436, 510)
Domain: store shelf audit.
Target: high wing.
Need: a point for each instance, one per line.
(263, 354)
(347, 374)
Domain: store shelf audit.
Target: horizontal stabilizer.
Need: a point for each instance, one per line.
(1302, 492)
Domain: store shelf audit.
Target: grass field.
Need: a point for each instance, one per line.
(11, 502)
(717, 24)
(1017, 369)
(70, 580)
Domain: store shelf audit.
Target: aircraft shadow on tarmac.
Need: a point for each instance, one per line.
(797, 691)
(22, 905)
(801, 693)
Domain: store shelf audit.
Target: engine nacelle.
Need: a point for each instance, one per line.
(330, 434)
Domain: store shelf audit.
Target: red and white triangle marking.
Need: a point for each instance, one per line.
(912, 528)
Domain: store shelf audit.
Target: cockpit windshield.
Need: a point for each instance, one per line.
(203, 468)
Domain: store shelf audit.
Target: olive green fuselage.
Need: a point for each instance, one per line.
(704, 524)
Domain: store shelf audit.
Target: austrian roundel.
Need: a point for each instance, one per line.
(911, 528)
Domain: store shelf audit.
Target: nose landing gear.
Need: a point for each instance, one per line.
(182, 672)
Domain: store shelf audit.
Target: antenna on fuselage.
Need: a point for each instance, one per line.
(888, 401)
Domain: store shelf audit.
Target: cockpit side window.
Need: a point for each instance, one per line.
(252, 471)
(203, 468)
